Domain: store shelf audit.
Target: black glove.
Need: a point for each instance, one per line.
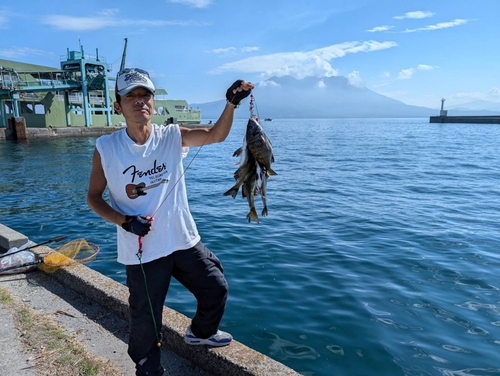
(233, 96)
(138, 224)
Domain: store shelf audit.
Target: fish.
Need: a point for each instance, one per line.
(256, 156)
(259, 145)
(249, 191)
(243, 173)
(262, 187)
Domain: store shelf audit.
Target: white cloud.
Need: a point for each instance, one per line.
(193, 3)
(301, 64)
(415, 15)
(107, 18)
(321, 84)
(380, 28)
(17, 52)
(268, 83)
(426, 67)
(355, 79)
(249, 49)
(231, 50)
(438, 26)
(492, 95)
(225, 50)
(406, 74)
(4, 19)
(78, 23)
(494, 92)
(379, 85)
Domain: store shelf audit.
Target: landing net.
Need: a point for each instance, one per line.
(74, 252)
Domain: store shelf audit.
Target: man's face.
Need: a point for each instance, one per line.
(137, 106)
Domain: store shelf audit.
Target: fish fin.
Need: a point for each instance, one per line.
(237, 152)
(252, 215)
(233, 192)
(270, 172)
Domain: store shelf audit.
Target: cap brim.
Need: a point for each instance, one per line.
(132, 87)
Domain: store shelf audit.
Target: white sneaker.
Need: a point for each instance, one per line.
(218, 339)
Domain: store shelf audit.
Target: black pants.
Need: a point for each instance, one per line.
(200, 271)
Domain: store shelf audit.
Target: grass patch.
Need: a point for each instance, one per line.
(52, 351)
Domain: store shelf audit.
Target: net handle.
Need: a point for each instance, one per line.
(13, 267)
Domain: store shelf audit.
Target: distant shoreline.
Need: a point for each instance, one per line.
(7, 134)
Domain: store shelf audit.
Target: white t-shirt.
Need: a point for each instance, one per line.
(127, 165)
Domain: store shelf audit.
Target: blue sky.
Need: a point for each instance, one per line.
(414, 51)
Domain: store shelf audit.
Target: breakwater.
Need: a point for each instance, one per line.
(465, 119)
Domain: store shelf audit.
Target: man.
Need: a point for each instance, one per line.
(157, 237)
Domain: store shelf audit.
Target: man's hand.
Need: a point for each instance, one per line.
(238, 91)
(139, 224)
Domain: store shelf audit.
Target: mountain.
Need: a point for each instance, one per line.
(327, 97)
(311, 97)
(478, 105)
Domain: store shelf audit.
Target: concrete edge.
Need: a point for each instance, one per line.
(235, 359)
(10, 238)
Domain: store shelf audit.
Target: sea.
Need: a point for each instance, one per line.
(379, 256)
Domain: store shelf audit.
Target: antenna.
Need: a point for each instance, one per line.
(124, 55)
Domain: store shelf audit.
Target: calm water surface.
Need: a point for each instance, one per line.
(379, 255)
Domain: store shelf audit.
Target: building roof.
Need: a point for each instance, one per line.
(25, 67)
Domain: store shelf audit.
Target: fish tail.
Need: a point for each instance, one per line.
(233, 192)
(252, 215)
(264, 211)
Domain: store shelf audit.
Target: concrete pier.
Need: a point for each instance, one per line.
(233, 360)
(465, 119)
(19, 131)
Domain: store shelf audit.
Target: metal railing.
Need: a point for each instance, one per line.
(26, 81)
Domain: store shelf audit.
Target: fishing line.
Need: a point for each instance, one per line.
(253, 105)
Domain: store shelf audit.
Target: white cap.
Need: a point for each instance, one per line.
(131, 78)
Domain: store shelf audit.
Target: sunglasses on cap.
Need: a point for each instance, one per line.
(128, 70)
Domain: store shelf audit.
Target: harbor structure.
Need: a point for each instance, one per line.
(78, 94)
(444, 118)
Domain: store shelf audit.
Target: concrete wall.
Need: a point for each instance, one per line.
(9, 134)
(233, 360)
(465, 119)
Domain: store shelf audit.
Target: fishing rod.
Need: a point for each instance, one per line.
(139, 238)
(58, 239)
(23, 265)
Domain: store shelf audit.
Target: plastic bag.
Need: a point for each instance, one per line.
(15, 257)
